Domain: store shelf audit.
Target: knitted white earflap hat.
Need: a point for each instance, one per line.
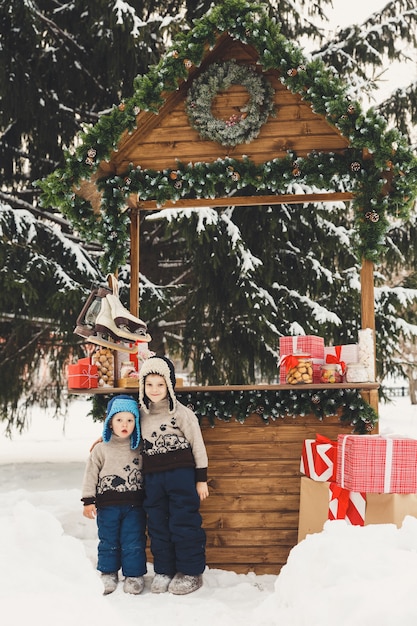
(165, 368)
(117, 405)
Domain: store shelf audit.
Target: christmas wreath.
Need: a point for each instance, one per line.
(239, 128)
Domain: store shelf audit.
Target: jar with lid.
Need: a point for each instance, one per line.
(357, 373)
(331, 373)
(126, 369)
(300, 369)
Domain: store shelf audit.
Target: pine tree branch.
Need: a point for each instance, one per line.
(23, 154)
(63, 36)
(16, 353)
(353, 48)
(401, 107)
(53, 217)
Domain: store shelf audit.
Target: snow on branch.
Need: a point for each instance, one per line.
(123, 9)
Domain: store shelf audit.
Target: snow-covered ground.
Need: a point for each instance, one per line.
(345, 575)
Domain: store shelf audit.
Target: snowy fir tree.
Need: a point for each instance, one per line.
(219, 286)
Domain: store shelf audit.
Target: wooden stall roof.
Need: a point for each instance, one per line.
(162, 140)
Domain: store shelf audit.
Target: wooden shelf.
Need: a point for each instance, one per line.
(202, 389)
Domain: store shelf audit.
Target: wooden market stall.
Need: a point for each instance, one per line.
(305, 118)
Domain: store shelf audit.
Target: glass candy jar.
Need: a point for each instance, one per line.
(331, 373)
(126, 369)
(300, 369)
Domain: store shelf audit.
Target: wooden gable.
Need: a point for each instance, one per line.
(162, 140)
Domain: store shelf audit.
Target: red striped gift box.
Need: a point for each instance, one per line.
(318, 458)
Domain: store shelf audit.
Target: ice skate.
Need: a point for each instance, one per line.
(109, 582)
(182, 584)
(100, 339)
(122, 317)
(134, 584)
(87, 318)
(126, 322)
(105, 325)
(96, 322)
(100, 328)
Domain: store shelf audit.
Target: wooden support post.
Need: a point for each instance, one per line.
(368, 317)
(367, 295)
(134, 261)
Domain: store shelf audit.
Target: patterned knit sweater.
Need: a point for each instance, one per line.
(172, 441)
(113, 474)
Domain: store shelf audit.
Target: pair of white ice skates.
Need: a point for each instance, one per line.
(106, 322)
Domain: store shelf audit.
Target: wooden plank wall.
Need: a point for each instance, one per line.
(251, 516)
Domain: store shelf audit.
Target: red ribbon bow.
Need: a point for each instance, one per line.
(289, 361)
(342, 496)
(319, 464)
(331, 358)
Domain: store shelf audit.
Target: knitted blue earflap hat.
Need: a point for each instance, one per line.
(165, 368)
(116, 405)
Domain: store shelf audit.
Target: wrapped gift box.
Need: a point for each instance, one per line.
(318, 458)
(82, 375)
(317, 506)
(344, 354)
(377, 464)
(304, 344)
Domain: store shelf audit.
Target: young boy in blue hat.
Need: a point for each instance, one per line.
(112, 491)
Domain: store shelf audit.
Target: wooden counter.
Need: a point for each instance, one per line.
(261, 387)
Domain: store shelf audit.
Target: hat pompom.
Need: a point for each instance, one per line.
(117, 405)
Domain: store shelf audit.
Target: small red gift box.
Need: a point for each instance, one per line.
(82, 375)
(377, 464)
(304, 344)
(318, 458)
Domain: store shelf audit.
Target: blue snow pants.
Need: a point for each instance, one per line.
(172, 504)
(122, 539)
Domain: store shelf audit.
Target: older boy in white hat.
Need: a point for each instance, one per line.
(175, 473)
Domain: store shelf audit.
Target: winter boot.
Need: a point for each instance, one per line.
(160, 583)
(110, 582)
(183, 583)
(134, 584)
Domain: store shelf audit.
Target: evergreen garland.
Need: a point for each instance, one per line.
(273, 405)
(348, 404)
(380, 167)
